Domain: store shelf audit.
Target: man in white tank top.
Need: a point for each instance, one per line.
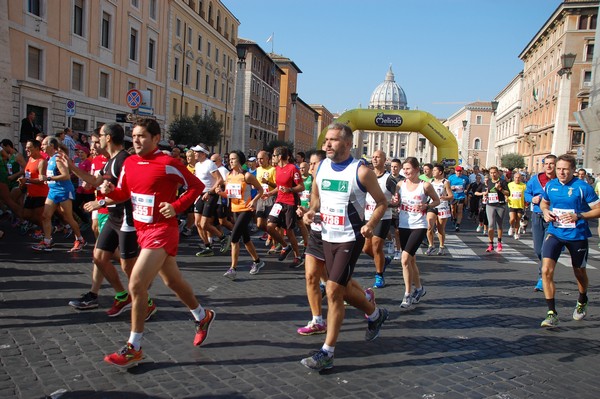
(339, 193)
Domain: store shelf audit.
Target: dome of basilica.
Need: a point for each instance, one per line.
(388, 95)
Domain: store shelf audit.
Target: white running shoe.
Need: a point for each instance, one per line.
(511, 231)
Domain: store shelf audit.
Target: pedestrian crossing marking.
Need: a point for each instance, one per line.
(565, 259)
(458, 249)
(509, 253)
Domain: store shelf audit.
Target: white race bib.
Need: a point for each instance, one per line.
(493, 198)
(563, 225)
(234, 190)
(275, 210)
(444, 213)
(516, 195)
(143, 207)
(334, 219)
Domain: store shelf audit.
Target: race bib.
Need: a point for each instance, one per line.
(275, 210)
(234, 190)
(493, 198)
(49, 174)
(563, 225)
(27, 175)
(458, 189)
(265, 187)
(516, 195)
(143, 207)
(444, 213)
(369, 208)
(334, 219)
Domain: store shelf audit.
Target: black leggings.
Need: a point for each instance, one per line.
(241, 227)
(410, 239)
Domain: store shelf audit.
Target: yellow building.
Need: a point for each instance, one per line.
(201, 63)
(89, 53)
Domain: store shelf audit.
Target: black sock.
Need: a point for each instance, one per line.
(257, 260)
(582, 298)
(379, 274)
(551, 305)
(499, 239)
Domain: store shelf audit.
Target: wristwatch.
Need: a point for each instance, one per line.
(102, 203)
(579, 216)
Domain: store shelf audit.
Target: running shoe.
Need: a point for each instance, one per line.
(274, 249)
(313, 328)
(499, 247)
(207, 251)
(89, 300)
(406, 302)
(301, 243)
(517, 236)
(379, 281)
(186, 232)
(231, 273)
(25, 227)
(397, 255)
(318, 361)
(374, 326)
(485, 232)
(457, 228)
(151, 310)
(442, 251)
(37, 235)
(417, 294)
(225, 243)
(78, 245)
(479, 228)
(125, 357)
(268, 242)
(511, 231)
(42, 246)
(203, 326)
(551, 320)
(284, 253)
(580, 311)
(256, 266)
(539, 287)
(297, 263)
(490, 248)
(430, 251)
(119, 307)
(264, 237)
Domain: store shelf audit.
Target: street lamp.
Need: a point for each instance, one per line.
(294, 97)
(567, 62)
(465, 135)
(238, 139)
(494, 106)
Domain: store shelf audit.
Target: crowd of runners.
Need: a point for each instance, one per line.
(326, 208)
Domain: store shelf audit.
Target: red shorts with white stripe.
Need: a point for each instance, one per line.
(159, 236)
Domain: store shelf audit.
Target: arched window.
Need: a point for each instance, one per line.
(477, 144)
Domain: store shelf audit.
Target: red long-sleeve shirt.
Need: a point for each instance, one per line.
(153, 179)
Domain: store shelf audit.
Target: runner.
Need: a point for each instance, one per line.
(283, 213)
(151, 179)
(237, 190)
(438, 217)
(265, 173)
(567, 204)
(395, 167)
(516, 204)
(497, 191)
(34, 183)
(415, 197)
(338, 195)
(374, 245)
(458, 184)
(60, 195)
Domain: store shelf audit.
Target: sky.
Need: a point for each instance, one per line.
(444, 53)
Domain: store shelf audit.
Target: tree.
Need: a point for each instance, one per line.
(196, 129)
(512, 161)
(280, 143)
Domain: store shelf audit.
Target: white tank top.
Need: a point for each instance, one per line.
(440, 190)
(371, 204)
(342, 201)
(409, 217)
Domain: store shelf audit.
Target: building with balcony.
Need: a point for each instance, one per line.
(556, 82)
(201, 55)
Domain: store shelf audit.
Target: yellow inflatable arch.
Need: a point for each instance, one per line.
(403, 121)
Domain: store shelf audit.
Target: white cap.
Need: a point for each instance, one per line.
(200, 148)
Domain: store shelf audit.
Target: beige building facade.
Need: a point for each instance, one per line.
(201, 54)
(551, 94)
(506, 123)
(471, 127)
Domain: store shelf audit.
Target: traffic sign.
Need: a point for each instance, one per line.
(134, 98)
(146, 111)
(70, 110)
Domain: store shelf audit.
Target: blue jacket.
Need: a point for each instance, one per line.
(533, 189)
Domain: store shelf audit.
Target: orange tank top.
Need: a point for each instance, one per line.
(32, 173)
(238, 192)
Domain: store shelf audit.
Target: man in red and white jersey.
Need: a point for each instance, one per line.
(151, 179)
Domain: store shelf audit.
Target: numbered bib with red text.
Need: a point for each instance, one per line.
(143, 207)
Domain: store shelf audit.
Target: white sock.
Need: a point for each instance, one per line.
(318, 319)
(198, 313)
(328, 349)
(374, 316)
(368, 296)
(135, 339)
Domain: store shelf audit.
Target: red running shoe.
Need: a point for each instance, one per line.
(119, 307)
(203, 326)
(126, 357)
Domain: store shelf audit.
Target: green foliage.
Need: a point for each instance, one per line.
(512, 161)
(279, 143)
(196, 129)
